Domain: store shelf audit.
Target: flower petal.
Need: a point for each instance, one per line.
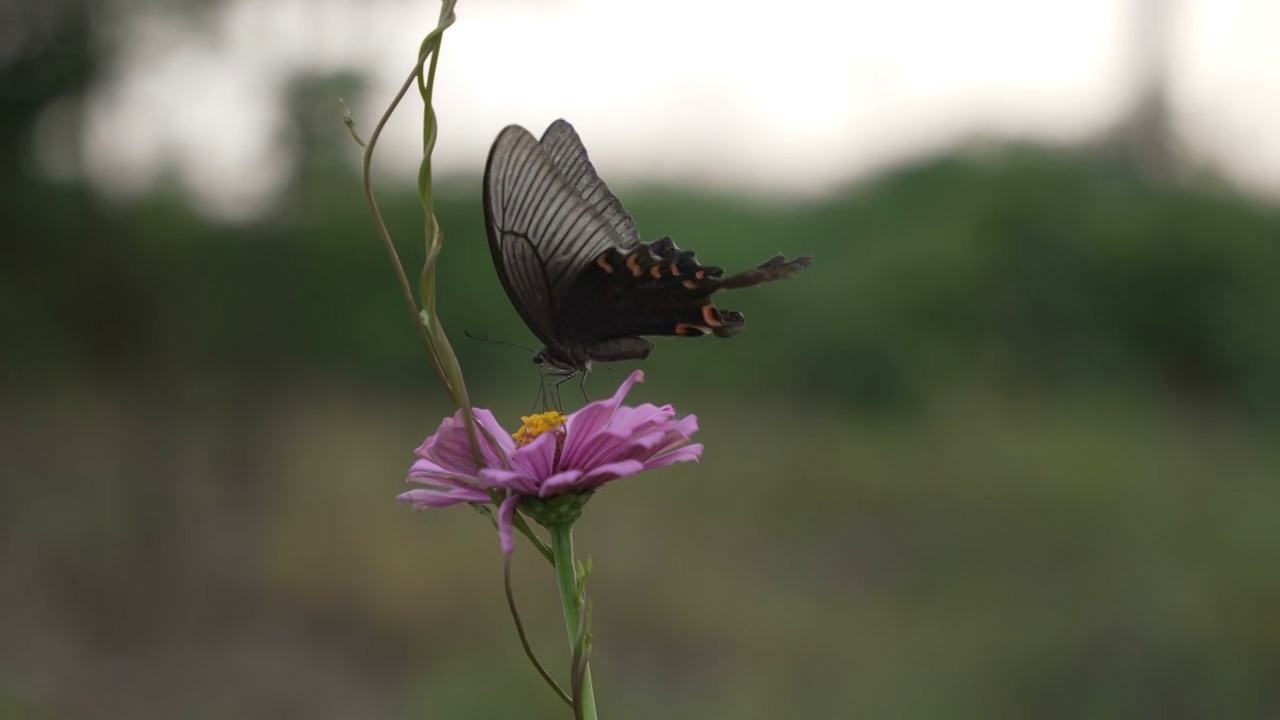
(614, 445)
(517, 480)
(631, 419)
(606, 473)
(505, 445)
(447, 448)
(425, 471)
(538, 458)
(561, 481)
(655, 444)
(688, 453)
(603, 447)
(617, 442)
(422, 499)
(583, 425)
(506, 515)
(686, 426)
(450, 446)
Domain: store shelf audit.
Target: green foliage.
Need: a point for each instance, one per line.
(1006, 450)
(1026, 270)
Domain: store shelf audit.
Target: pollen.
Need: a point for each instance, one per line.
(535, 425)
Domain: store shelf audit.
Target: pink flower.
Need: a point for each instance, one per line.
(551, 455)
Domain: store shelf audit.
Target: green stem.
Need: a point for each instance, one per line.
(366, 172)
(520, 524)
(570, 598)
(433, 337)
(446, 361)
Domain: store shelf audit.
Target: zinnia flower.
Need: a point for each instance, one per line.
(553, 463)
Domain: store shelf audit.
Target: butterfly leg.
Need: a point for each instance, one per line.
(540, 399)
(562, 380)
(548, 392)
(549, 382)
(548, 397)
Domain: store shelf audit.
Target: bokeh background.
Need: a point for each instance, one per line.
(1008, 449)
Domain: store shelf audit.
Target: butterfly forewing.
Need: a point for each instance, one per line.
(542, 228)
(565, 148)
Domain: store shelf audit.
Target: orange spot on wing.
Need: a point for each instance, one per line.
(710, 316)
(634, 265)
(603, 262)
(689, 284)
(656, 271)
(687, 329)
(675, 269)
(700, 274)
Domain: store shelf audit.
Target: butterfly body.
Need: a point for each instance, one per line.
(572, 262)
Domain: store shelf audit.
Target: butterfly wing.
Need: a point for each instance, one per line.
(564, 147)
(657, 289)
(571, 259)
(548, 215)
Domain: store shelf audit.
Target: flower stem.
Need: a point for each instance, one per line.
(570, 599)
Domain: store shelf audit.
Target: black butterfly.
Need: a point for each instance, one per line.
(572, 262)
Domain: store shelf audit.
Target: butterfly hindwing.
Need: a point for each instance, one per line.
(657, 289)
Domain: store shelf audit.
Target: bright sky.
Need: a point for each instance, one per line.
(736, 93)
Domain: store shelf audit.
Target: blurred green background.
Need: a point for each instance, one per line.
(1008, 449)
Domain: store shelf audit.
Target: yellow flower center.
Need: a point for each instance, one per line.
(535, 425)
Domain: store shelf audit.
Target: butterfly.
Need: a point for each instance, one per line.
(572, 262)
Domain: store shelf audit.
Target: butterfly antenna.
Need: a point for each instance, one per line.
(486, 338)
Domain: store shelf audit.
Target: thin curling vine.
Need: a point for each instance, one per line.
(551, 466)
(430, 330)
